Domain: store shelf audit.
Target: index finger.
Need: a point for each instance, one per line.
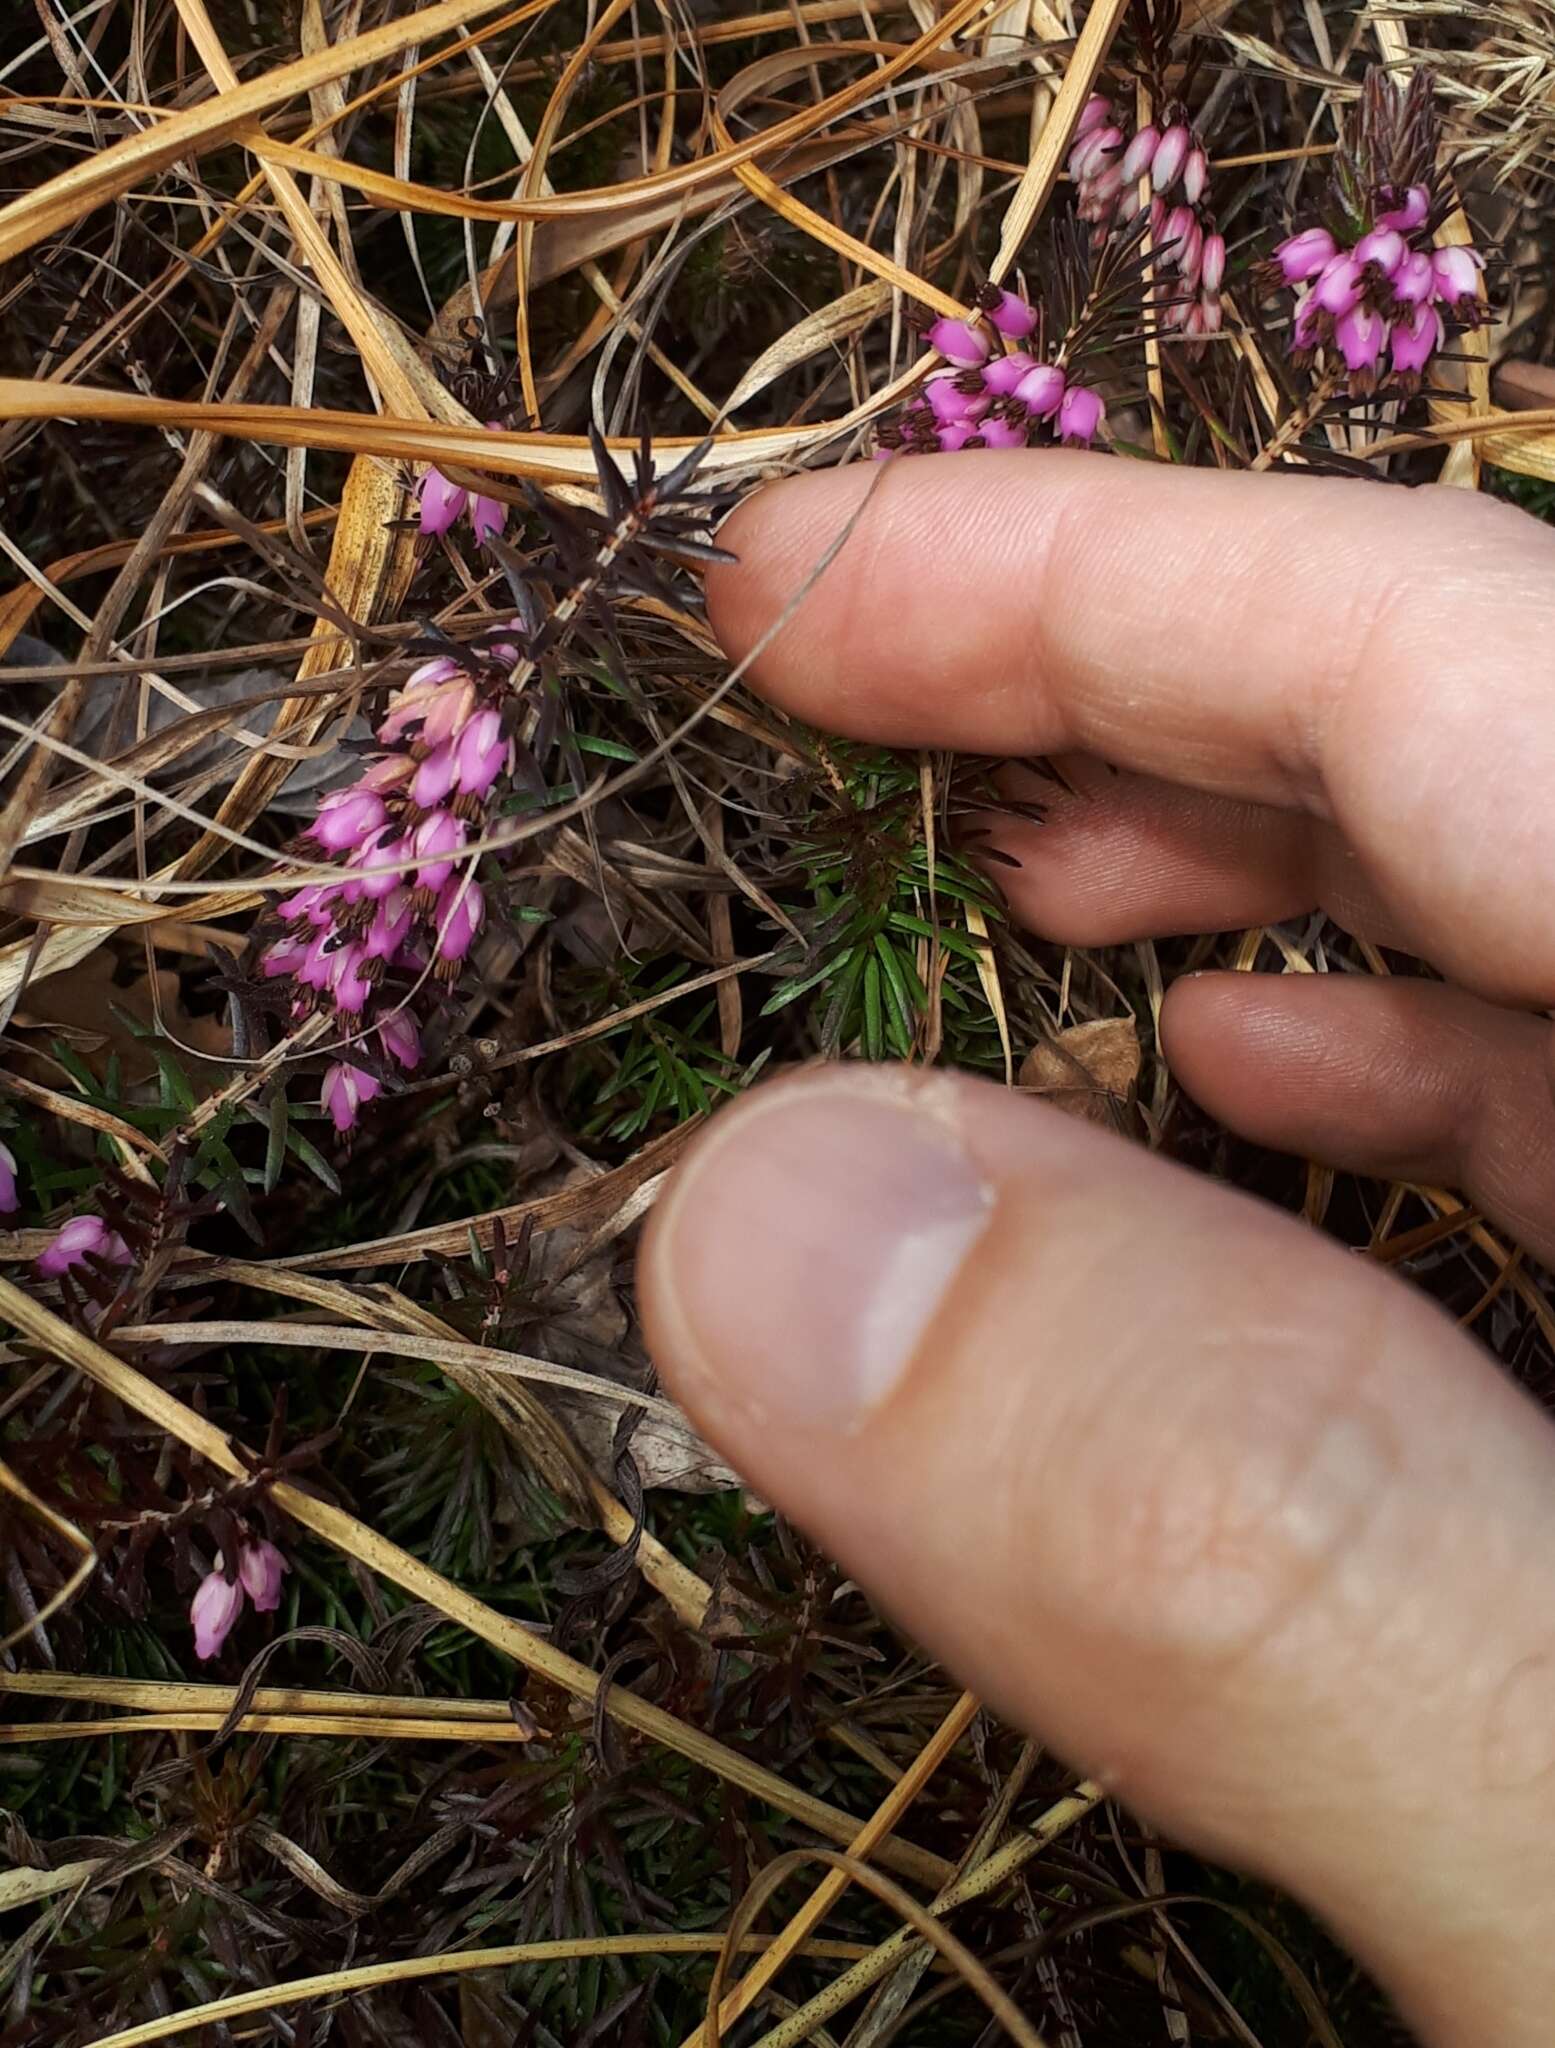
(1383, 659)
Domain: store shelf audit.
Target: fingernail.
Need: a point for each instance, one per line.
(810, 1243)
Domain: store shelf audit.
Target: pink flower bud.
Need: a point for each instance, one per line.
(1160, 213)
(1362, 335)
(947, 401)
(1413, 342)
(1012, 316)
(378, 848)
(956, 435)
(1104, 188)
(390, 927)
(450, 707)
(9, 1203)
(482, 753)
(261, 1569)
(215, 1607)
(1457, 273)
(1001, 376)
(1413, 211)
(435, 839)
(488, 516)
(1195, 175)
(1176, 234)
(1339, 288)
(1415, 279)
(1042, 392)
(1384, 247)
(1306, 328)
(1140, 154)
(401, 1040)
(1304, 255)
(344, 1092)
(441, 502)
(312, 902)
(351, 987)
(1096, 113)
(284, 957)
(1212, 315)
(1089, 156)
(1170, 156)
(1212, 263)
(958, 343)
(999, 433)
(83, 1238)
(434, 777)
(461, 911)
(345, 818)
(1081, 414)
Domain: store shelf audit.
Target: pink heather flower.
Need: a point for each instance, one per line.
(1212, 263)
(1140, 154)
(1176, 233)
(1211, 314)
(311, 902)
(1362, 335)
(488, 516)
(450, 707)
(1306, 329)
(442, 668)
(345, 1090)
(1304, 255)
(434, 777)
(436, 837)
(997, 433)
(1195, 175)
(1384, 247)
(1001, 376)
(1042, 392)
(1414, 281)
(400, 1039)
(261, 1569)
(1171, 154)
(461, 911)
(947, 401)
(317, 968)
(9, 1202)
(959, 343)
(1338, 291)
(1096, 113)
(956, 435)
(83, 1238)
(284, 957)
(1012, 316)
(1104, 190)
(1457, 273)
(390, 927)
(351, 988)
(215, 1607)
(375, 852)
(1090, 153)
(345, 818)
(1413, 342)
(441, 503)
(1081, 414)
(482, 753)
(1412, 213)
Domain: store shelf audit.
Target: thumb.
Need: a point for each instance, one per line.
(1242, 1527)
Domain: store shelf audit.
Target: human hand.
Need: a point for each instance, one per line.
(1243, 1527)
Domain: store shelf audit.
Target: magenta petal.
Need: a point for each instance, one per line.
(441, 502)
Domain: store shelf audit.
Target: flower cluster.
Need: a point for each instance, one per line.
(988, 397)
(83, 1240)
(218, 1600)
(440, 505)
(407, 904)
(1381, 296)
(1117, 175)
(10, 1201)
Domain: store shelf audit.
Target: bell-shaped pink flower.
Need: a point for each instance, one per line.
(958, 342)
(1457, 273)
(1340, 286)
(345, 818)
(1081, 414)
(213, 1610)
(1091, 152)
(1140, 154)
(9, 1202)
(955, 435)
(261, 1569)
(1304, 255)
(285, 956)
(345, 1089)
(352, 988)
(1212, 263)
(1384, 247)
(482, 753)
(1042, 391)
(488, 516)
(1414, 281)
(1176, 234)
(374, 856)
(1412, 211)
(1012, 316)
(461, 911)
(436, 839)
(1195, 175)
(434, 777)
(1096, 113)
(400, 1039)
(390, 927)
(1000, 433)
(450, 707)
(1362, 335)
(441, 503)
(947, 401)
(1171, 153)
(83, 1238)
(312, 902)
(1001, 376)
(1413, 342)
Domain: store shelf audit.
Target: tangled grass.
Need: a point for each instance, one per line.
(549, 1716)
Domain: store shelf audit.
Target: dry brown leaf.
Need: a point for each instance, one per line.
(1088, 1071)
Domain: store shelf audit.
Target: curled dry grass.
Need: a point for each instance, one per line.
(219, 170)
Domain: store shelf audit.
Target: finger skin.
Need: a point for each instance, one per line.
(1379, 659)
(1407, 1080)
(1237, 1523)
